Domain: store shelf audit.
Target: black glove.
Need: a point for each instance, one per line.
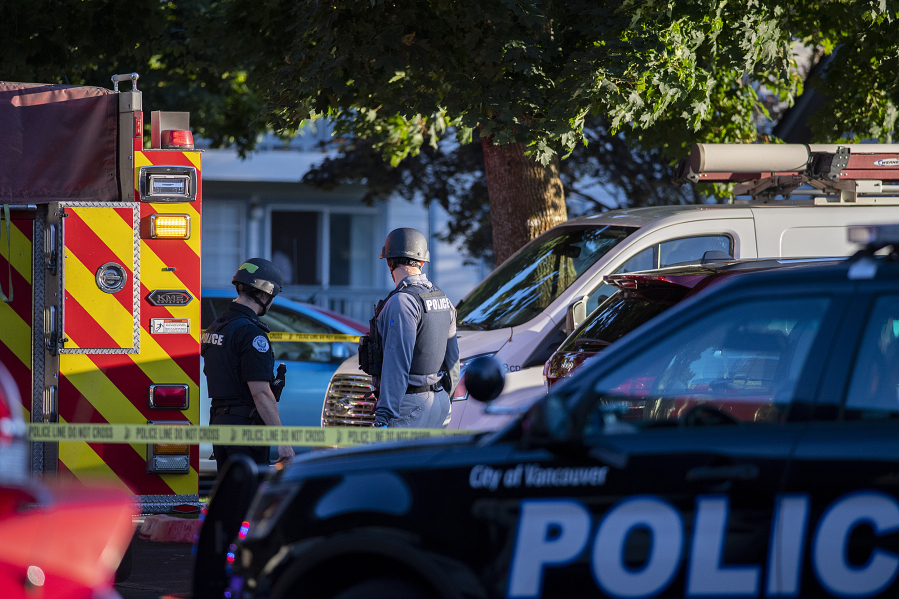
(379, 424)
(277, 385)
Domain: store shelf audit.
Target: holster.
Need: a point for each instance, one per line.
(371, 350)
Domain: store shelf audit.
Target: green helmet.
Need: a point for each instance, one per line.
(260, 274)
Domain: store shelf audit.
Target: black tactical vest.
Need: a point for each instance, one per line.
(222, 361)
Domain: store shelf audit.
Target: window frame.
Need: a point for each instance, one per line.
(834, 392)
(323, 265)
(859, 362)
(656, 253)
(657, 250)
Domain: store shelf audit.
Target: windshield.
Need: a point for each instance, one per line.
(619, 315)
(528, 283)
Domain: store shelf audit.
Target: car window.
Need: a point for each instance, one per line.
(525, 285)
(739, 364)
(599, 294)
(692, 248)
(280, 320)
(208, 312)
(619, 315)
(645, 260)
(217, 307)
(675, 251)
(874, 386)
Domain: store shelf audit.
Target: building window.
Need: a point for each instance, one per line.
(352, 239)
(295, 246)
(224, 230)
(325, 247)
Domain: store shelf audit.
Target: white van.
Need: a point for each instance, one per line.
(526, 307)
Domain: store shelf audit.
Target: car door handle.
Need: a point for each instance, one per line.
(719, 473)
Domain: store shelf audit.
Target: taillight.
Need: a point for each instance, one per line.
(168, 458)
(461, 392)
(169, 397)
(177, 140)
(170, 449)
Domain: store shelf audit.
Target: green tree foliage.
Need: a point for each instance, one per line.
(395, 71)
(600, 175)
(189, 55)
(403, 71)
(858, 40)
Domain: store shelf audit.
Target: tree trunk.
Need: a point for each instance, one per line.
(526, 198)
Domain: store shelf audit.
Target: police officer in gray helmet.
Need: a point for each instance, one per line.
(239, 361)
(411, 350)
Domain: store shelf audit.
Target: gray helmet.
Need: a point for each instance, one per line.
(260, 274)
(406, 243)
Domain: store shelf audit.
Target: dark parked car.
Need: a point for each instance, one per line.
(744, 443)
(641, 296)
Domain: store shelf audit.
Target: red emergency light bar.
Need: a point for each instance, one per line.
(177, 140)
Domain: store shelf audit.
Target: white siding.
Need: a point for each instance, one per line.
(224, 241)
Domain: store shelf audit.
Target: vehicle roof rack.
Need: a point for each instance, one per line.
(830, 173)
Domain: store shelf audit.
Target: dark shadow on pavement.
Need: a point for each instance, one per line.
(158, 569)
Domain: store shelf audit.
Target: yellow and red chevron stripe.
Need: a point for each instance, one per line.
(95, 236)
(105, 387)
(16, 317)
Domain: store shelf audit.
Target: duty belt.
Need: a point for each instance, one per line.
(237, 410)
(236, 407)
(436, 387)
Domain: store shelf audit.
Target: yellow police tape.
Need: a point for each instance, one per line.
(277, 337)
(228, 434)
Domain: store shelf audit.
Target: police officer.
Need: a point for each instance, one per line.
(417, 328)
(239, 361)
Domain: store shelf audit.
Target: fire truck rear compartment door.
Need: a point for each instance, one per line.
(101, 279)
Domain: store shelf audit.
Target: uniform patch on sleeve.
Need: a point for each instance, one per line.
(437, 303)
(260, 343)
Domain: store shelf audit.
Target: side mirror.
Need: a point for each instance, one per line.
(548, 422)
(577, 313)
(484, 379)
(339, 352)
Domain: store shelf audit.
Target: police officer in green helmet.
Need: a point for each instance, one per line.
(239, 361)
(411, 350)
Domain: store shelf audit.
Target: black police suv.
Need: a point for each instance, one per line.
(743, 444)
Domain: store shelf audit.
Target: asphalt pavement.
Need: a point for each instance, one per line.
(158, 569)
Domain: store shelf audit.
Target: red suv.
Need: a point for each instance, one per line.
(640, 297)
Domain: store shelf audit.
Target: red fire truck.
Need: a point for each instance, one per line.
(100, 280)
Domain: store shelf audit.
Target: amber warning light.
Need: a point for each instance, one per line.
(170, 226)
